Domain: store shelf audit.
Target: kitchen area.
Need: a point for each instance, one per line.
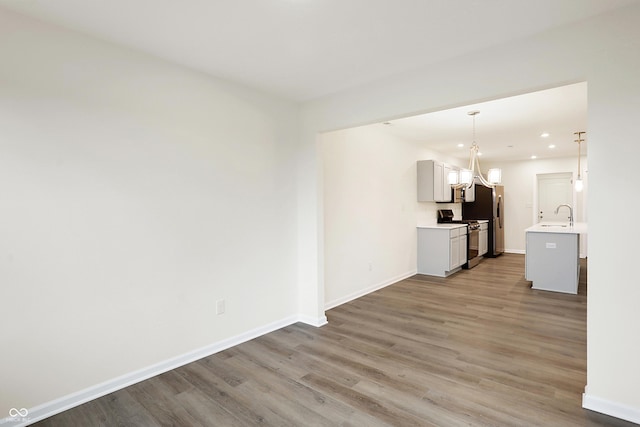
(455, 242)
(477, 233)
(373, 216)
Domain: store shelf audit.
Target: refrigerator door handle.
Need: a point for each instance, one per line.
(499, 213)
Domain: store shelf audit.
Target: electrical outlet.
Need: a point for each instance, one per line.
(220, 307)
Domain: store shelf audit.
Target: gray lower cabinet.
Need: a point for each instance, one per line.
(552, 261)
(483, 239)
(441, 250)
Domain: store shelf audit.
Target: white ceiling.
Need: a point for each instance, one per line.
(507, 128)
(304, 49)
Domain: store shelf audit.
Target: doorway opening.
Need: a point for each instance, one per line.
(371, 211)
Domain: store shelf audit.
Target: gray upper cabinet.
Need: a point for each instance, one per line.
(433, 185)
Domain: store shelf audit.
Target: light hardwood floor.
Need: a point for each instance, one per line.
(478, 348)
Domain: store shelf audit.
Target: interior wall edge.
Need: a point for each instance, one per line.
(313, 321)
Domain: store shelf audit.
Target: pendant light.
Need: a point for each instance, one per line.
(579, 183)
(465, 177)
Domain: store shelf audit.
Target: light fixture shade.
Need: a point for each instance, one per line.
(579, 184)
(452, 178)
(466, 176)
(495, 176)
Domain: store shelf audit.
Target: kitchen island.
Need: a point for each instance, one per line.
(552, 260)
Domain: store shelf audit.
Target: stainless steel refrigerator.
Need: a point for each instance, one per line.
(489, 205)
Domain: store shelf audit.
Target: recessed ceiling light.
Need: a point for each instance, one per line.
(544, 135)
(552, 146)
(386, 123)
(509, 146)
(460, 145)
(534, 157)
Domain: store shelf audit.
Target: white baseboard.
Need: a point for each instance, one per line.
(339, 301)
(56, 406)
(320, 321)
(610, 408)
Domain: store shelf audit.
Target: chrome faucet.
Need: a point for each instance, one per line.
(570, 212)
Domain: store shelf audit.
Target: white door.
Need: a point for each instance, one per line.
(554, 189)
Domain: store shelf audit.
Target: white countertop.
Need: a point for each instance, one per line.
(444, 226)
(558, 227)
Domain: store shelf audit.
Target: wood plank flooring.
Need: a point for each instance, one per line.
(478, 348)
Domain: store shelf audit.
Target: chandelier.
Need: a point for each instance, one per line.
(465, 178)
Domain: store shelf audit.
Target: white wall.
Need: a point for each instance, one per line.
(370, 210)
(605, 52)
(133, 195)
